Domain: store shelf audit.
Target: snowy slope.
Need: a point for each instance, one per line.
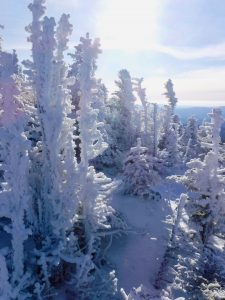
(138, 255)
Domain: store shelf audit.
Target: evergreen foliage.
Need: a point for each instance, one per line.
(61, 132)
(139, 174)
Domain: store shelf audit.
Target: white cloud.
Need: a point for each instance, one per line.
(204, 87)
(133, 25)
(216, 51)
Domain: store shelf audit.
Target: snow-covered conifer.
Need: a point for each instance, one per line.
(168, 148)
(204, 178)
(53, 162)
(165, 116)
(92, 143)
(189, 142)
(180, 270)
(15, 194)
(203, 210)
(123, 124)
(155, 129)
(99, 93)
(94, 212)
(56, 149)
(142, 96)
(199, 221)
(170, 129)
(148, 115)
(139, 174)
(170, 95)
(213, 129)
(177, 125)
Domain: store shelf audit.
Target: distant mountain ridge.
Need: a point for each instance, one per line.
(200, 113)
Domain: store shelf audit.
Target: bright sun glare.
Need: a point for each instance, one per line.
(128, 24)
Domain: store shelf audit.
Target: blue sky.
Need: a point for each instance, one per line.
(156, 39)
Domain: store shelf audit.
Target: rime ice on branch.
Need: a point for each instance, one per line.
(53, 107)
(15, 197)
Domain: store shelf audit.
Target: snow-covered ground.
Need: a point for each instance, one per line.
(137, 256)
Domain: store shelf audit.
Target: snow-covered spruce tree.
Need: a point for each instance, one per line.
(112, 156)
(15, 197)
(139, 172)
(168, 148)
(92, 144)
(177, 125)
(94, 211)
(149, 123)
(170, 95)
(106, 159)
(205, 136)
(153, 126)
(199, 224)
(165, 116)
(170, 130)
(142, 96)
(53, 108)
(123, 125)
(213, 128)
(155, 130)
(202, 219)
(53, 175)
(189, 143)
(179, 272)
(99, 95)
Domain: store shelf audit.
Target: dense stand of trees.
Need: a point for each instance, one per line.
(60, 130)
